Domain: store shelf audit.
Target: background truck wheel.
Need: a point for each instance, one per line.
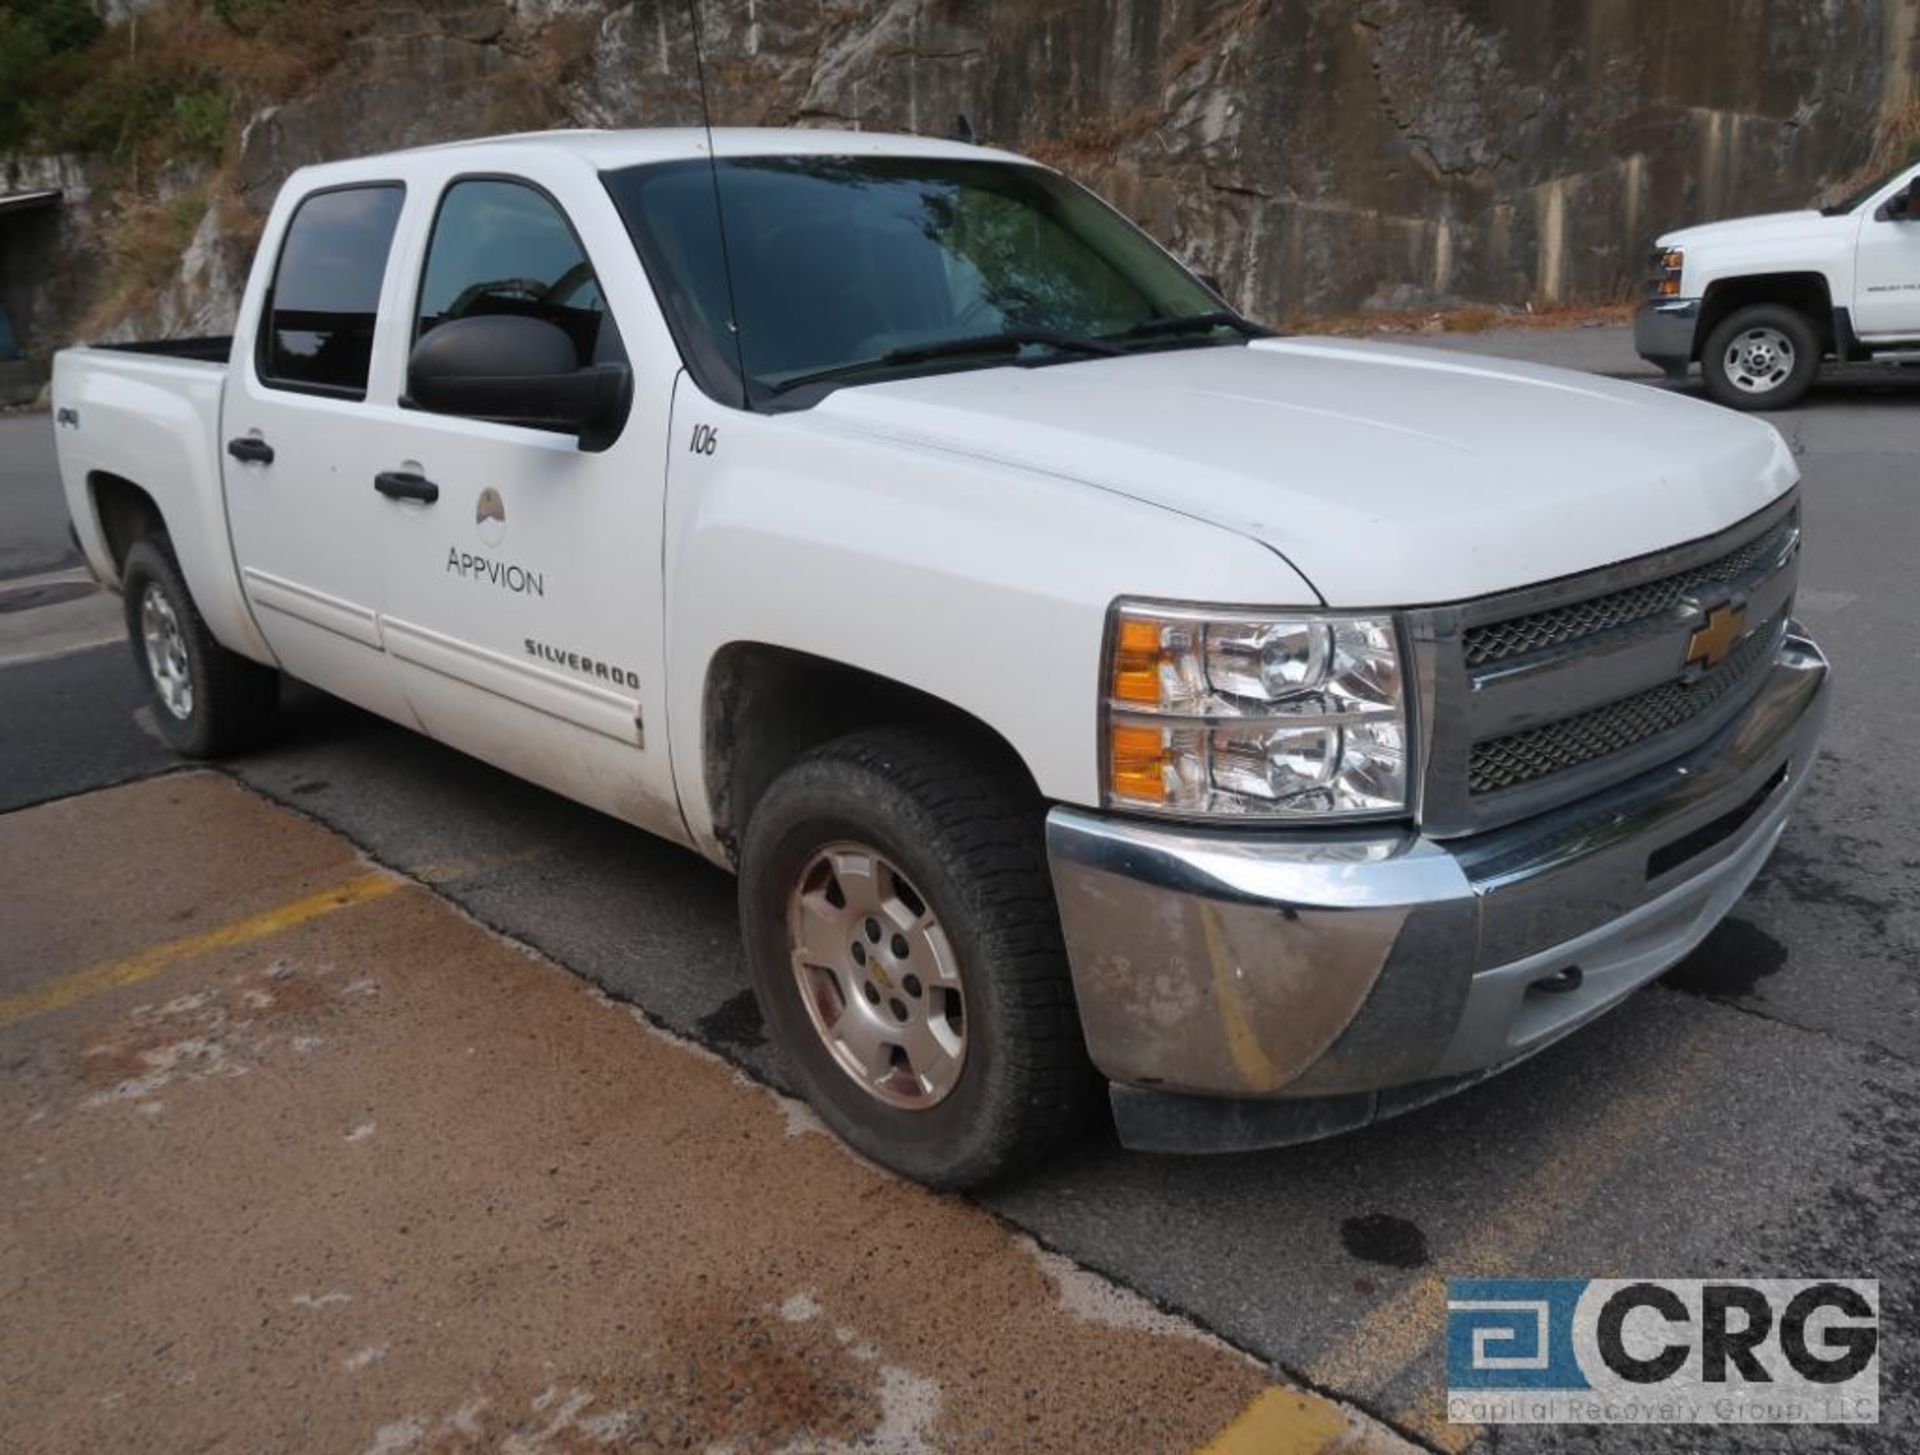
(905, 949)
(1763, 357)
(207, 701)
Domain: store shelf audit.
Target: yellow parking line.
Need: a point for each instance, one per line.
(1280, 1422)
(1390, 1339)
(98, 979)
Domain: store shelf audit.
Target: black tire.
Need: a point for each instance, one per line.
(968, 832)
(234, 702)
(1765, 324)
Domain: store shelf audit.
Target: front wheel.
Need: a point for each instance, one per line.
(905, 950)
(1763, 357)
(206, 700)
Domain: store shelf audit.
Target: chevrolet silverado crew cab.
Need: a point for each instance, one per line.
(1761, 301)
(1089, 688)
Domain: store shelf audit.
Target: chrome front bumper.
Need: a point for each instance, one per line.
(1254, 988)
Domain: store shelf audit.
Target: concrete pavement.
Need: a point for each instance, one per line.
(302, 1158)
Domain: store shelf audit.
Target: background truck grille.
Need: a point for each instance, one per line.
(1561, 625)
(1522, 757)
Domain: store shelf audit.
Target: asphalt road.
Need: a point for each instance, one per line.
(33, 537)
(1751, 1114)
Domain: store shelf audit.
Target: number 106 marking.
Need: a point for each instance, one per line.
(705, 440)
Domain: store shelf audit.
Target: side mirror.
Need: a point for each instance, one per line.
(515, 370)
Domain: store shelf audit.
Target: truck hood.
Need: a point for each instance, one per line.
(1744, 229)
(1386, 476)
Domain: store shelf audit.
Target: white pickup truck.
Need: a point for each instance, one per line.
(1761, 301)
(1085, 684)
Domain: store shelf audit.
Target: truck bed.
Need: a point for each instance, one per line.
(146, 417)
(210, 349)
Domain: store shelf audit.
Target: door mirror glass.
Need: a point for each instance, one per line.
(514, 370)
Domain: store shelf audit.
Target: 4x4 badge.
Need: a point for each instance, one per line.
(1716, 636)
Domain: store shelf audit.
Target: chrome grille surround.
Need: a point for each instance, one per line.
(1521, 635)
(1536, 697)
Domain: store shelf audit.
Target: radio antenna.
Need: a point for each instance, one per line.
(719, 212)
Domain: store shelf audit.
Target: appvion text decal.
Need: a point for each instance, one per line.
(504, 574)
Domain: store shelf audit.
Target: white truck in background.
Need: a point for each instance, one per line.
(1087, 686)
(1760, 302)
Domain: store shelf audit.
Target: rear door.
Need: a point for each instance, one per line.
(1887, 295)
(522, 605)
(304, 525)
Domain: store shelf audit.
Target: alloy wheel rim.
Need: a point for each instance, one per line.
(166, 648)
(878, 976)
(1759, 360)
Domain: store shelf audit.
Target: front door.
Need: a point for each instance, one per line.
(1887, 294)
(303, 524)
(522, 603)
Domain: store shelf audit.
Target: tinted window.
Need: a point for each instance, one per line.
(840, 260)
(505, 248)
(318, 332)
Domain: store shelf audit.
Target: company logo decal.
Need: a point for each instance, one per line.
(1717, 636)
(490, 516)
(1663, 1351)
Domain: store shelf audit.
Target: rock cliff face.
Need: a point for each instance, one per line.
(1315, 154)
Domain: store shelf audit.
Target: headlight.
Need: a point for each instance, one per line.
(1668, 264)
(1253, 714)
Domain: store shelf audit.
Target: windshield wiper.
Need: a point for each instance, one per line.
(1007, 341)
(1194, 323)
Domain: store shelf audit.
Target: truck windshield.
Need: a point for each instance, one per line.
(853, 269)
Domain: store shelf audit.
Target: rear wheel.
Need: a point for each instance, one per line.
(906, 954)
(206, 700)
(1763, 357)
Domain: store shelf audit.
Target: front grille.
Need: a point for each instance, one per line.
(1522, 757)
(1538, 631)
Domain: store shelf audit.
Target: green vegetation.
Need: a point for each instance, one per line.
(39, 40)
(155, 105)
(166, 86)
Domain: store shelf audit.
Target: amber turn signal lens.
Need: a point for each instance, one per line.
(1136, 662)
(1137, 763)
(1669, 288)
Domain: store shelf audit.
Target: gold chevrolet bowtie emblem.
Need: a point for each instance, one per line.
(1715, 637)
